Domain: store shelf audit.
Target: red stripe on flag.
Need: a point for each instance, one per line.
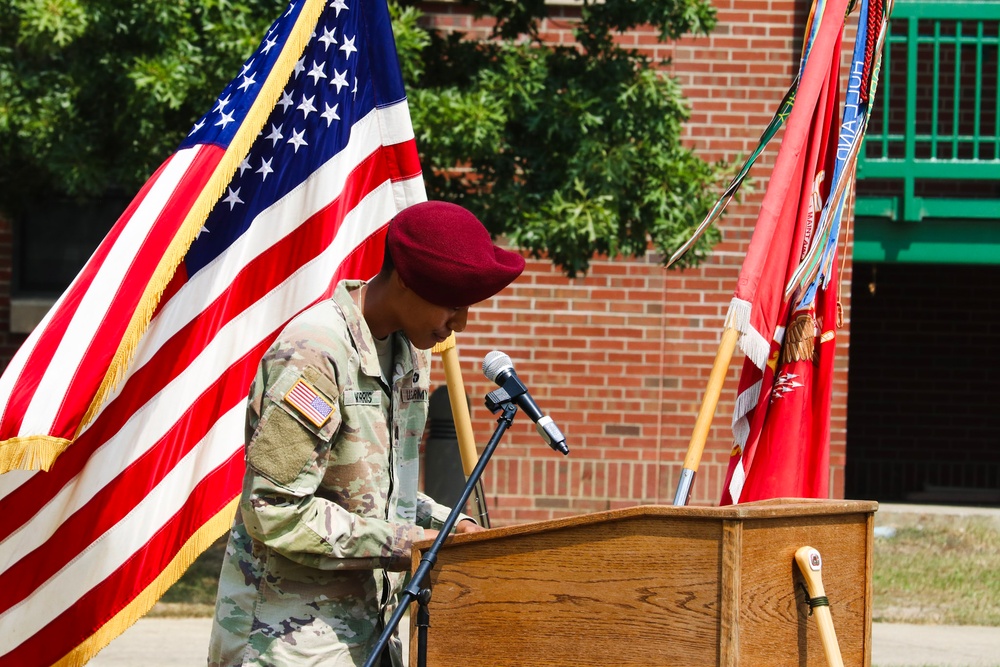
(403, 161)
(30, 375)
(113, 488)
(362, 263)
(99, 514)
(113, 502)
(72, 627)
(133, 286)
(94, 364)
(256, 279)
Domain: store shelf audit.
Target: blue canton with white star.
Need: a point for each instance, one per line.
(342, 75)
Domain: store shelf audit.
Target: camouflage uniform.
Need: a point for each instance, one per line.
(330, 507)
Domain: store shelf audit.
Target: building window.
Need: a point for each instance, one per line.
(53, 240)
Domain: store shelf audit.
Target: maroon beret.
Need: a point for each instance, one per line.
(445, 255)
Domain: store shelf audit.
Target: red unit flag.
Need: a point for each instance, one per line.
(781, 420)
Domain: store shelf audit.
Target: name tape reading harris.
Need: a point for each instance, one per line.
(409, 395)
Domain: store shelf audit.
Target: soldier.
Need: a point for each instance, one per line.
(329, 508)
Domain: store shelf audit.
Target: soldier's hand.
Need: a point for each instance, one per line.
(467, 526)
(430, 534)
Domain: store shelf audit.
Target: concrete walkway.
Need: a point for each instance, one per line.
(907, 645)
(170, 642)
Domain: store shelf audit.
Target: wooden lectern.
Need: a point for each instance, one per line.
(653, 585)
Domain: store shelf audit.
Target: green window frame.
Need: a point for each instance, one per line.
(932, 150)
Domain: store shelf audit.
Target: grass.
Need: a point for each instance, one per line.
(935, 569)
(193, 596)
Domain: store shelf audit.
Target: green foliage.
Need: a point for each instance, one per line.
(95, 95)
(410, 40)
(198, 584)
(567, 151)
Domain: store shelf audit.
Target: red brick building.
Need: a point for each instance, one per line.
(621, 357)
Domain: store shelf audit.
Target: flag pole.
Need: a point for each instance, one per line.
(463, 423)
(696, 446)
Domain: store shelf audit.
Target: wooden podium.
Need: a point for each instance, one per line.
(653, 585)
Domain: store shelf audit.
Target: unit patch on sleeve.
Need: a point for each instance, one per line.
(310, 405)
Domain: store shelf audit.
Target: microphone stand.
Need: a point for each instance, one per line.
(416, 589)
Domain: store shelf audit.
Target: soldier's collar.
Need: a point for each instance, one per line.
(346, 296)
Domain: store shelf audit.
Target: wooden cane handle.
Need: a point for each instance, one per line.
(811, 565)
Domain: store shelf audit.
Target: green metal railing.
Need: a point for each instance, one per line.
(932, 149)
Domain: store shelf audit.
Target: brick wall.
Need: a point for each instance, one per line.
(621, 357)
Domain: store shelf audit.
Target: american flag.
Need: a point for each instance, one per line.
(131, 391)
(313, 406)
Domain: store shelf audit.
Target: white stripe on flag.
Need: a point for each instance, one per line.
(150, 422)
(12, 373)
(91, 311)
(268, 228)
(114, 548)
(394, 123)
(736, 483)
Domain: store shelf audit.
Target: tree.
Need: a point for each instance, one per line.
(567, 151)
(95, 95)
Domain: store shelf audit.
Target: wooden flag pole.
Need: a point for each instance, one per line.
(811, 565)
(703, 423)
(463, 422)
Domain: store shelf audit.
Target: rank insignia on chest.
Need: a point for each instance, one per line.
(310, 405)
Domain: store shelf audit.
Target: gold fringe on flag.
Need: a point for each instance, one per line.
(39, 452)
(202, 539)
(207, 199)
(36, 452)
(446, 344)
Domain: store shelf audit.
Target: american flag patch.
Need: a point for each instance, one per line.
(311, 405)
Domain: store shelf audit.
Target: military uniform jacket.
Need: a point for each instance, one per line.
(329, 507)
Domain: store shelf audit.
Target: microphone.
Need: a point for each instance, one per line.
(497, 367)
